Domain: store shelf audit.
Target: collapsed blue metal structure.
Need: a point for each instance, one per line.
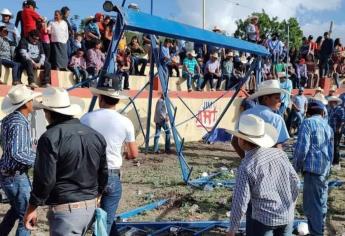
(128, 19)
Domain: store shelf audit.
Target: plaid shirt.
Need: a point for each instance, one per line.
(314, 147)
(16, 143)
(336, 117)
(267, 178)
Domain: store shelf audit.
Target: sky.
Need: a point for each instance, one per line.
(314, 16)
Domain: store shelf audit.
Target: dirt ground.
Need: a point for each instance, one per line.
(159, 177)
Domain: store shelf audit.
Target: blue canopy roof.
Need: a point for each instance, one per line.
(142, 22)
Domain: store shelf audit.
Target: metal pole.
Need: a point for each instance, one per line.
(151, 7)
(203, 14)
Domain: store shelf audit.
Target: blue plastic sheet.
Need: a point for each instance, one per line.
(219, 135)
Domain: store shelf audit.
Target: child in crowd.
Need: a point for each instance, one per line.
(77, 42)
(123, 59)
(78, 66)
(95, 59)
(301, 73)
(44, 36)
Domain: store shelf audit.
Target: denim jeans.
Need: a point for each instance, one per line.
(17, 188)
(139, 61)
(315, 195)
(16, 69)
(190, 78)
(159, 126)
(265, 230)
(79, 73)
(70, 222)
(110, 201)
(295, 118)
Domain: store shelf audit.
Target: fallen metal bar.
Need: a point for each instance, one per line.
(208, 228)
(136, 95)
(82, 83)
(139, 210)
(138, 116)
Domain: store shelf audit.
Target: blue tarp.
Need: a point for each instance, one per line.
(219, 135)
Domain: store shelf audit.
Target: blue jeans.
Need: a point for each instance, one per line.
(17, 188)
(159, 126)
(295, 119)
(110, 201)
(265, 230)
(190, 78)
(16, 69)
(79, 73)
(315, 195)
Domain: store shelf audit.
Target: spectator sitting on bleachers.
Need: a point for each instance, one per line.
(6, 58)
(95, 59)
(175, 60)
(137, 56)
(78, 66)
(227, 68)
(191, 70)
(212, 71)
(13, 33)
(33, 58)
(123, 59)
(165, 55)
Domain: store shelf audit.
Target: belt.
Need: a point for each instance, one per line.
(114, 171)
(74, 205)
(10, 173)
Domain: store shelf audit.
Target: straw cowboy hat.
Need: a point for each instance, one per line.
(192, 53)
(254, 129)
(6, 12)
(334, 99)
(268, 87)
(320, 97)
(109, 92)
(319, 89)
(17, 97)
(215, 55)
(59, 101)
(333, 88)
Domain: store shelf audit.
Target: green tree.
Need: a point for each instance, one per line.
(269, 25)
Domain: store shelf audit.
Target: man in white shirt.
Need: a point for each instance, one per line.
(118, 131)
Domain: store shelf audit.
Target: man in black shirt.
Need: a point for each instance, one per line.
(326, 51)
(70, 169)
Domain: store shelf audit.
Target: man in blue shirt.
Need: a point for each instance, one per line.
(299, 107)
(336, 118)
(18, 156)
(165, 55)
(313, 156)
(286, 84)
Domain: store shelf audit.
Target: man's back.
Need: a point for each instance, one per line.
(326, 49)
(116, 130)
(71, 164)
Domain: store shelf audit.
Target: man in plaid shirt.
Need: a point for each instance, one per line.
(266, 178)
(313, 157)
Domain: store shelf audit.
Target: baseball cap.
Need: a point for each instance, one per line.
(31, 3)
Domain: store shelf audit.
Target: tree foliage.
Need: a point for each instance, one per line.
(270, 25)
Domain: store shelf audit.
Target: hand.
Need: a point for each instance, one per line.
(30, 218)
(231, 233)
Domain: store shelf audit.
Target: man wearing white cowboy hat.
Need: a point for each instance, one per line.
(18, 156)
(118, 131)
(13, 33)
(191, 70)
(273, 193)
(212, 71)
(70, 169)
(313, 156)
(286, 84)
(336, 119)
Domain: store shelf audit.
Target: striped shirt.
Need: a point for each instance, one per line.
(314, 147)
(267, 179)
(16, 143)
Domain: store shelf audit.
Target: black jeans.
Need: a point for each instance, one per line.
(16, 69)
(323, 66)
(139, 61)
(28, 66)
(125, 76)
(209, 78)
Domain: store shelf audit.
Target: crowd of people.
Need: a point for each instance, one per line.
(77, 164)
(58, 45)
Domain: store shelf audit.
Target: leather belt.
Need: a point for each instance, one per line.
(11, 173)
(74, 205)
(114, 171)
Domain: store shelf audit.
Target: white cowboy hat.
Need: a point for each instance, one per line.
(215, 55)
(59, 101)
(243, 59)
(6, 12)
(281, 75)
(109, 92)
(320, 97)
(192, 53)
(268, 87)
(254, 129)
(319, 89)
(17, 97)
(334, 99)
(333, 88)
